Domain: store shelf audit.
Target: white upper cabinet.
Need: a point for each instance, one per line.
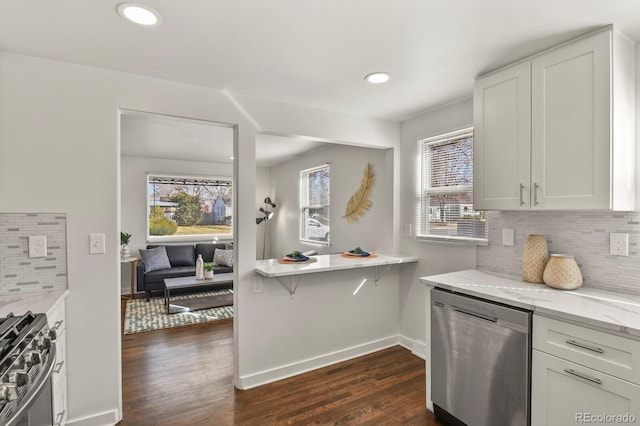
(556, 131)
(502, 139)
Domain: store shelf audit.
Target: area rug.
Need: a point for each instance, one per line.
(143, 316)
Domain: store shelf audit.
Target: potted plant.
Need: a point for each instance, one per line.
(208, 270)
(124, 244)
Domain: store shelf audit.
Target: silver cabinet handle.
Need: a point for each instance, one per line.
(521, 198)
(535, 193)
(583, 346)
(582, 376)
(59, 418)
(57, 325)
(58, 368)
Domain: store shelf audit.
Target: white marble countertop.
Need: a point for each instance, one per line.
(328, 262)
(619, 312)
(37, 303)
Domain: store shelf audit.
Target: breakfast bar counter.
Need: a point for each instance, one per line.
(271, 268)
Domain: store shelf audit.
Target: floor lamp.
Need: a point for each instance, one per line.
(266, 215)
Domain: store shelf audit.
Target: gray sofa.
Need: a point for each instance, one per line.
(183, 264)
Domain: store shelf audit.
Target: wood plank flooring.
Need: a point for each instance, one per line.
(184, 376)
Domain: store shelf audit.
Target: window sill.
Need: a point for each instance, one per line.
(315, 242)
(454, 240)
(203, 238)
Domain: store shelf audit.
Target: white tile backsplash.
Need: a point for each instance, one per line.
(18, 272)
(584, 235)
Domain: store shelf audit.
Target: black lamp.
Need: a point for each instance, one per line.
(265, 212)
(266, 215)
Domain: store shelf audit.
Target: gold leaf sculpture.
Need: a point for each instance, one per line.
(360, 202)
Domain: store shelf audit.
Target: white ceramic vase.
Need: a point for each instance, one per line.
(125, 252)
(199, 268)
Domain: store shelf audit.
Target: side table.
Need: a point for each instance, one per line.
(134, 270)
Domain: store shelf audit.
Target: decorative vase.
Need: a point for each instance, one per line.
(208, 275)
(125, 252)
(199, 268)
(534, 258)
(562, 272)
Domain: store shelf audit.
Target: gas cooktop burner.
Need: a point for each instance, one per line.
(27, 354)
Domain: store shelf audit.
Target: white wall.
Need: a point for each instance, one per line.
(323, 323)
(435, 258)
(347, 168)
(59, 152)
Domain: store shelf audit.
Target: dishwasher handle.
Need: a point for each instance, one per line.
(465, 312)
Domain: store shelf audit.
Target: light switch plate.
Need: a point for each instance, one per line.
(38, 246)
(96, 244)
(508, 237)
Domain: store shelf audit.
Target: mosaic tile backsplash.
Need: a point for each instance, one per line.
(18, 272)
(584, 235)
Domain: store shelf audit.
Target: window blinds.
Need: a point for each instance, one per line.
(445, 193)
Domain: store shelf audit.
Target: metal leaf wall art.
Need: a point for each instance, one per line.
(360, 202)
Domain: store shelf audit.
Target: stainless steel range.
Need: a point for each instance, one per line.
(27, 356)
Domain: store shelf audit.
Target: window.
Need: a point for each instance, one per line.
(314, 204)
(445, 189)
(189, 208)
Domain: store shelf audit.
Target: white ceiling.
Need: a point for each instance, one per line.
(313, 53)
(173, 138)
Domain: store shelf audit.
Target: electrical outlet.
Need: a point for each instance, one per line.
(38, 246)
(619, 244)
(257, 284)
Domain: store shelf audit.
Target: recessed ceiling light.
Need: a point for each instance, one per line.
(139, 14)
(230, 158)
(377, 77)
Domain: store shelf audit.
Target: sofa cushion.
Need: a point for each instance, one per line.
(223, 257)
(207, 249)
(222, 269)
(155, 259)
(178, 271)
(181, 255)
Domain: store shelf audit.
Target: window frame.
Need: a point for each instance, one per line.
(304, 204)
(423, 190)
(189, 237)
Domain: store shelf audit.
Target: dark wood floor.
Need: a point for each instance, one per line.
(184, 376)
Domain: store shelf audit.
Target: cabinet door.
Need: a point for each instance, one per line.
(571, 125)
(564, 393)
(502, 139)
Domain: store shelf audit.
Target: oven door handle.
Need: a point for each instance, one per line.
(34, 391)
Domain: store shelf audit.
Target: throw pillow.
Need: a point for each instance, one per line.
(155, 259)
(223, 257)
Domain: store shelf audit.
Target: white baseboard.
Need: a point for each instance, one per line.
(416, 347)
(268, 376)
(108, 418)
(293, 369)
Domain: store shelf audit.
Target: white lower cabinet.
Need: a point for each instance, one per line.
(57, 321)
(582, 376)
(564, 393)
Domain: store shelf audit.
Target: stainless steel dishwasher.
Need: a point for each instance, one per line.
(480, 361)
